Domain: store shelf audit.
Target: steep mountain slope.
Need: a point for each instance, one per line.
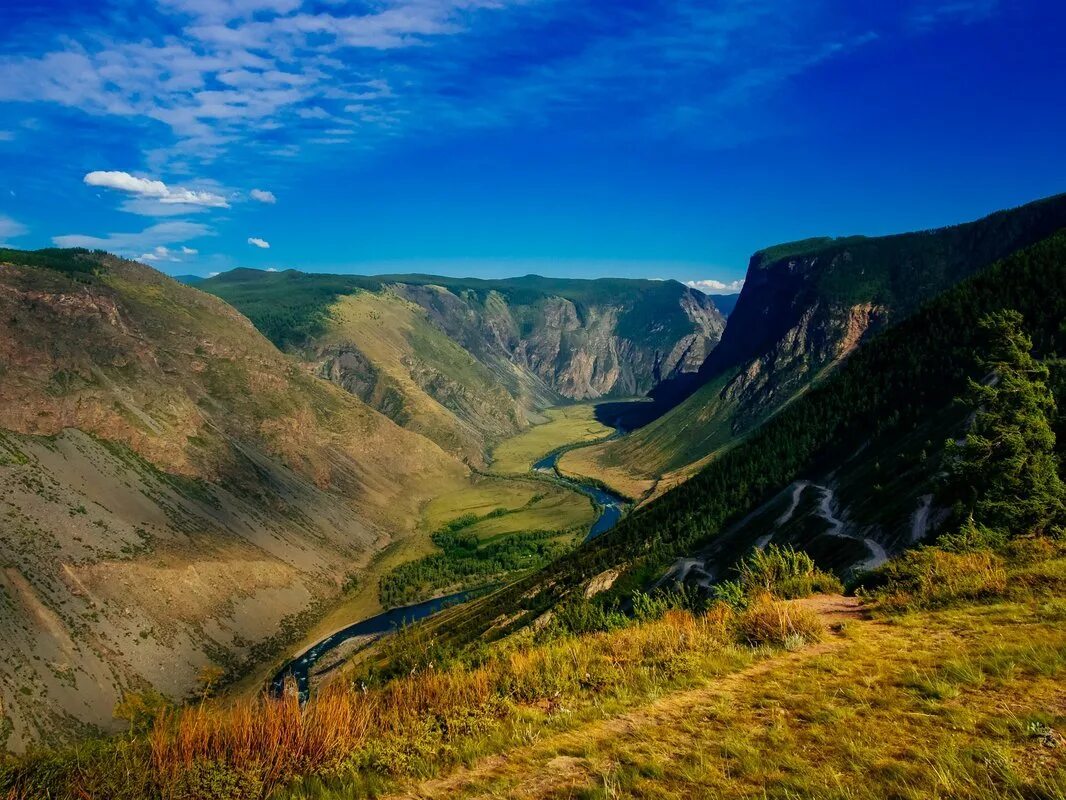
(725, 303)
(175, 491)
(847, 470)
(468, 361)
(804, 308)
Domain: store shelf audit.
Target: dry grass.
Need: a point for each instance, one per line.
(956, 704)
(777, 622)
(933, 578)
(961, 702)
(248, 748)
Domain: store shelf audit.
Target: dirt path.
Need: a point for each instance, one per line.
(548, 773)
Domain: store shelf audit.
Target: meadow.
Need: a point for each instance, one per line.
(907, 692)
(566, 425)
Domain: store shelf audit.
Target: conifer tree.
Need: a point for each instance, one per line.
(1006, 471)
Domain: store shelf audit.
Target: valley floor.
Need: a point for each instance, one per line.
(962, 703)
(532, 504)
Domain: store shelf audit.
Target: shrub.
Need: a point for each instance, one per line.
(971, 536)
(931, 577)
(585, 616)
(731, 593)
(777, 622)
(784, 572)
(214, 780)
(141, 709)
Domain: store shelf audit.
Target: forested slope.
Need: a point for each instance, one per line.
(882, 400)
(805, 307)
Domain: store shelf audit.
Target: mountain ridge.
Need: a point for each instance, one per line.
(543, 340)
(804, 308)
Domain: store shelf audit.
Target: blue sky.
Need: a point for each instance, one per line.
(663, 139)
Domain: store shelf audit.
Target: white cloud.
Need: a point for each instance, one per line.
(257, 242)
(158, 191)
(272, 269)
(712, 286)
(136, 244)
(163, 253)
(263, 196)
(212, 274)
(6, 136)
(9, 228)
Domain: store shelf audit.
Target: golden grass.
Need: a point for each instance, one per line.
(930, 578)
(961, 702)
(852, 719)
(774, 622)
(565, 425)
(588, 463)
(258, 744)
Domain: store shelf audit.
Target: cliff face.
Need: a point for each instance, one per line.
(617, 341)
(804, 307)
(833, 292)
(468, 362)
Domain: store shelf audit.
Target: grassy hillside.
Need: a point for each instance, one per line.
(883, 402)
(468, 361)
(794, 698)
(381, 348)
(804, 308)
(175, 492)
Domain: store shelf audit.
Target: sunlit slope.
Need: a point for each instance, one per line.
(381, 348)
(805, 307)
(175, 491)
(490, 353)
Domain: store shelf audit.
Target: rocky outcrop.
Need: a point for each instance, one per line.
(579, 350)
(805, 307)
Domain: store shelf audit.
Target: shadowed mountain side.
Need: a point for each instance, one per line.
(804, 308)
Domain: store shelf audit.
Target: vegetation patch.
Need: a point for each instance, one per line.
(466, 560)
(73, 261)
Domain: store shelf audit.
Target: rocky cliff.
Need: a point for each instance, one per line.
(468, 361)
(804, 307)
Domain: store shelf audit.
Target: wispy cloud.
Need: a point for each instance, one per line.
(220, 74)
(712, 286)
(10, 229)
(263, 196)
(931, 13)
(255, 241)
(137, 243)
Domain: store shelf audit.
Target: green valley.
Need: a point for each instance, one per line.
(879, 511)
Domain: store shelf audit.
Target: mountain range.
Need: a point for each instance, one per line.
(194, 472)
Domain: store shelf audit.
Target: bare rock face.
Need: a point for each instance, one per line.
(620, 345)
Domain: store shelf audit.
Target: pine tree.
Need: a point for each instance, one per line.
(1006, 470)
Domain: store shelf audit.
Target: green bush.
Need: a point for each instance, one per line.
(784, 572)
(931, 577)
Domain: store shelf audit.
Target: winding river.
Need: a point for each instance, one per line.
(611, 507)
